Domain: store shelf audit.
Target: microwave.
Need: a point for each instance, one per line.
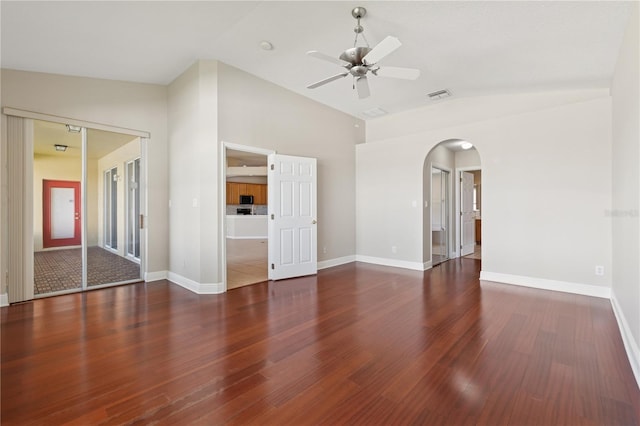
(246, 199)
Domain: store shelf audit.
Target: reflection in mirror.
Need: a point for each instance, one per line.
(57, 173)
(113, 208)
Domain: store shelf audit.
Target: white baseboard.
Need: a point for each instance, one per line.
(4, 300)
(545, 284)
(155, 276)
(630, 344)
(427, 265)
(196, 287)
(416, 266)
(336, 262)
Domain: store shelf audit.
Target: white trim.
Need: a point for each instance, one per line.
(427, 265)
(545, 284)
(416, 266)
(336, 262)
(630, 345)
(4, 300)
(155, 276)
(196, 287)
(246, 148)
(222, 200)
(252, 237)
(65, 120)
(458, 204)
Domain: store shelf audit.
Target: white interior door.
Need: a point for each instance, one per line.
(467, 216)
(293, 234)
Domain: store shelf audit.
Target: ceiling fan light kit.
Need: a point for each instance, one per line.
(359, 61)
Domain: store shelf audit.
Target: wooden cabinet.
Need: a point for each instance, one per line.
(236, 189)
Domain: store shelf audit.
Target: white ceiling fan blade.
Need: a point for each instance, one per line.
(382, 49)
(362, 85)
(398, 72)
(327, 80)
(325, 57)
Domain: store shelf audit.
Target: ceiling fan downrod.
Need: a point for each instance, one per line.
(359, 13)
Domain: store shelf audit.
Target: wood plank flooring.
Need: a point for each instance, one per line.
(356, 344)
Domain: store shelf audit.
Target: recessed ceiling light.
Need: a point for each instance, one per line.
(61, 148)
(265, 45)
(73, 129)
(466, 145)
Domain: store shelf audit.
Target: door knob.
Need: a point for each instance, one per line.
(314, 222)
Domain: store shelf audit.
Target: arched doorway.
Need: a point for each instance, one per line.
(452, 193)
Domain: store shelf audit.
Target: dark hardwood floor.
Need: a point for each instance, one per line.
(357, 344)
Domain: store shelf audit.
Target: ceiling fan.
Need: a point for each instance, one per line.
(360, 61)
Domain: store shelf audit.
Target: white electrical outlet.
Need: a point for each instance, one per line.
(394, 249)
(600, 270)
(324, 249)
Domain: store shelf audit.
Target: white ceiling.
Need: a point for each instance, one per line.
(471, 48)
(99, 142)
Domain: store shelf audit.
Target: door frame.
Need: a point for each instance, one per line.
(26, 224)
(458, 205)
(47, 241)
(222, 200)
(451, 254)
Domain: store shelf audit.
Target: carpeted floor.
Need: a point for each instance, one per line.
(59, 270)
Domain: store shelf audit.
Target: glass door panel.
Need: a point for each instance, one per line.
(108, 156)
(133, 209)
(57, 202)
(440, 236)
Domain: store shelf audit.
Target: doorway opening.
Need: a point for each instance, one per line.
(452, 202)
(440, 216)
(246, 208)
(471, 212)
(84, 201)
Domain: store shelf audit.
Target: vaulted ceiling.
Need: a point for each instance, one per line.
(471, 48)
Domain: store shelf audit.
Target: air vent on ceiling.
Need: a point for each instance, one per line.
(439, 94)
(374, 112)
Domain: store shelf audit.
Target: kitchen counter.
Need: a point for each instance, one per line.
(247, 226)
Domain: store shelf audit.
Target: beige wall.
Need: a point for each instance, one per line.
(625, 210)
(195, 235)
(122, 104)
(255, 113)
(260, 114)
(546, 179)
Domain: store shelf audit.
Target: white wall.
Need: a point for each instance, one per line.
(195, 238)
(625, 210)
(212, 102)
(546, 183)
(260, 114)
(122, 104)
(468, 158)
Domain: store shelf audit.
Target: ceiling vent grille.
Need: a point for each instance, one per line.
(374, 112)
(439, 94)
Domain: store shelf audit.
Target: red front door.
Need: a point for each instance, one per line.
(60, 213)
